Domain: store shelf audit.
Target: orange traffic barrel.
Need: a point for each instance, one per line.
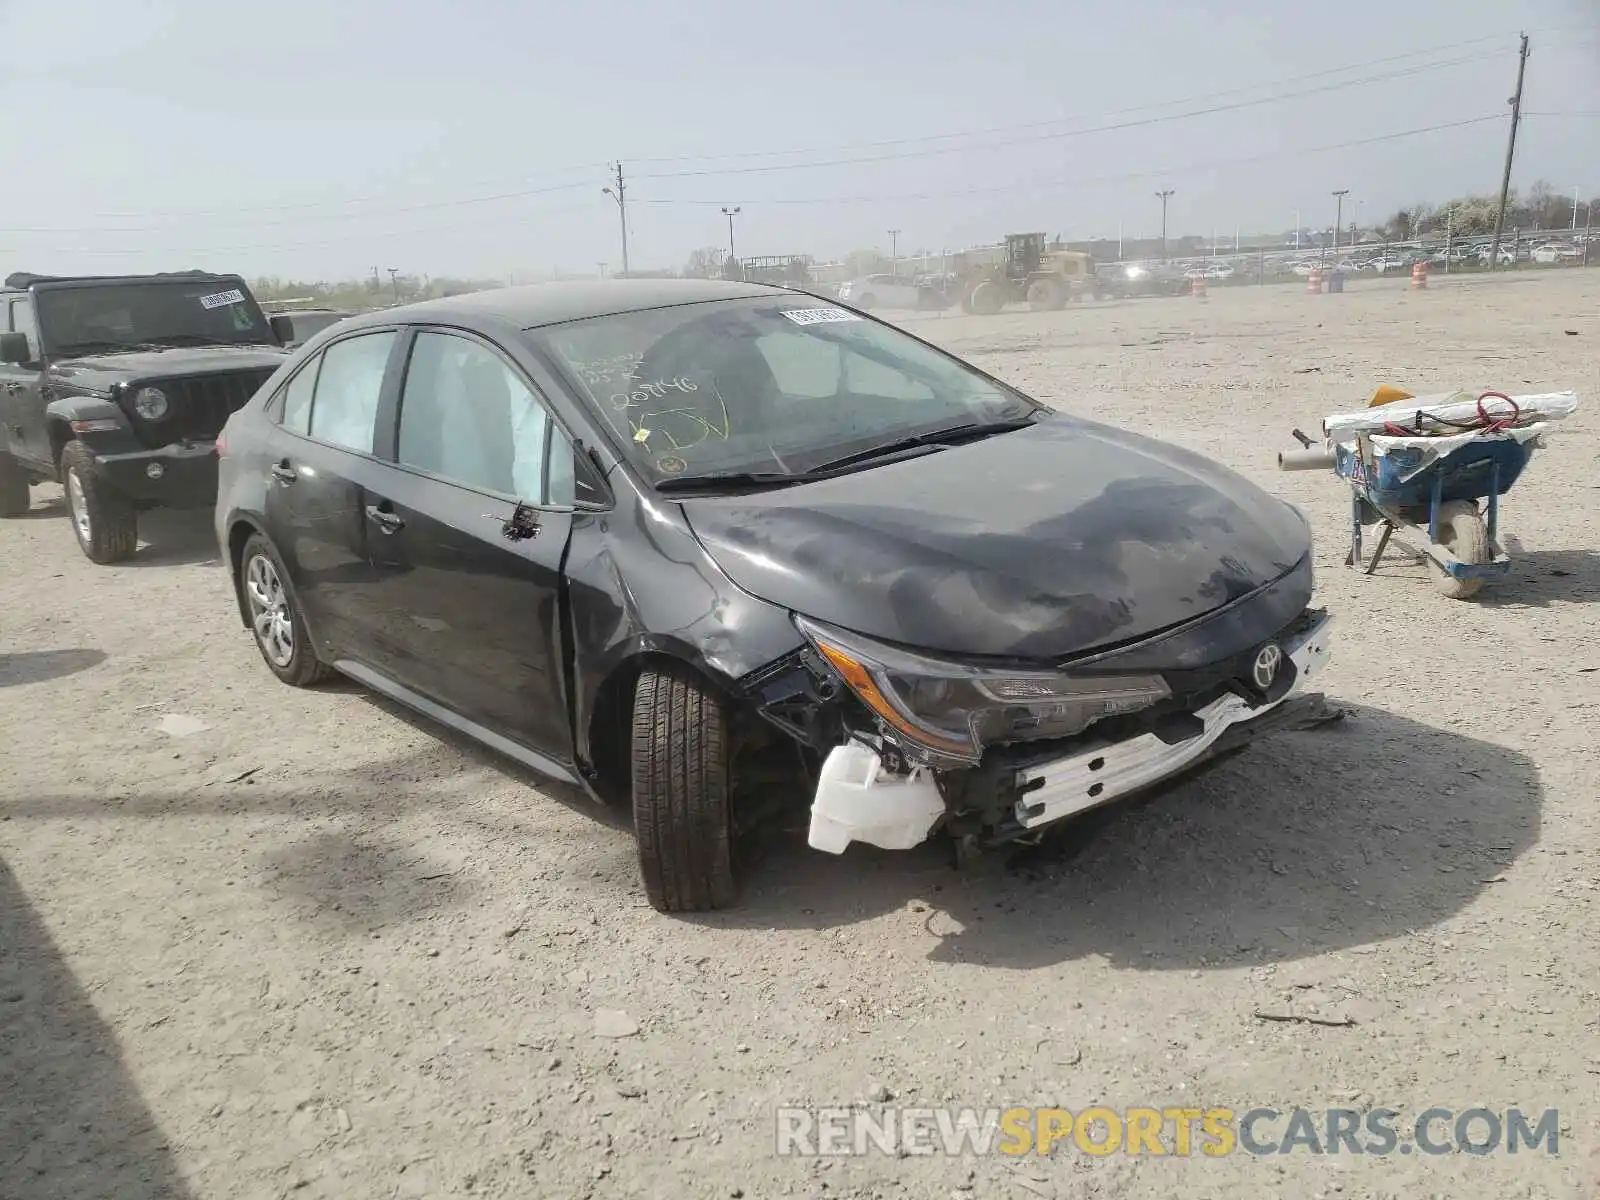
(1419, 276)
(1197, 287)
(1314, 282)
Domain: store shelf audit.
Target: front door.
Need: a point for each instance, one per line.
(474, 600)
(21, 403)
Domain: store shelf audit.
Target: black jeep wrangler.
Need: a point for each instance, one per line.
(118, 386)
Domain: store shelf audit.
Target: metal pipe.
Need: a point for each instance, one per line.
(1320, 459)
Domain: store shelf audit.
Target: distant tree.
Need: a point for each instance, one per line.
(703, 263)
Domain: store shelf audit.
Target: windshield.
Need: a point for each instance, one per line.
(149, 313)
(775, 385)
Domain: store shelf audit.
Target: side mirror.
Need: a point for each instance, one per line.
(14, 349)
(282, 327)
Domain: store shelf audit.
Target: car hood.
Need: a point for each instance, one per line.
(1046, 543)
(168, 364)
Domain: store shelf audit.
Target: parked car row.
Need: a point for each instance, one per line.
(705, 548)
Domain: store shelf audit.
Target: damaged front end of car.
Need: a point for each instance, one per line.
(994, 752)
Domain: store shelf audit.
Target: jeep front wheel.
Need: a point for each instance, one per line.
(13, 487)
(681, 782)
(106, 524)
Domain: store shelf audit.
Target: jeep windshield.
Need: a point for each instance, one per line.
(150, 314)
(765, 391)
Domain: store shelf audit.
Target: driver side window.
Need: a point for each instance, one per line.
(22, 322)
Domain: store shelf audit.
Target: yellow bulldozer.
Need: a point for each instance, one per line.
(1045, 277)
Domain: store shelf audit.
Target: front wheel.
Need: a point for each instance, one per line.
(105, 522)
(681, 781)
(1462, 532)
(13, 487)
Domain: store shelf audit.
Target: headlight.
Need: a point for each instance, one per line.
(956, 709)
(150, 403)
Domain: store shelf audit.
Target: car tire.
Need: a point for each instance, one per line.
(105, 522)
(14, 499)
(277, 622)
(1462, 532)
(681, 783)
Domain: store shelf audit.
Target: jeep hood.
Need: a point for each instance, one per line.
(1045, 543)
(104, 369)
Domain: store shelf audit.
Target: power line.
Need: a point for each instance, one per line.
(1111, 128)
(522, 193)
(1085, 181)
(1117, 112)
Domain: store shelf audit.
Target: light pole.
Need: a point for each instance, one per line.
(1338, 216)
(394, 282)
(894, 252)
(1165, 196)
(731, 213)
(1575, 209)
(1297, 229)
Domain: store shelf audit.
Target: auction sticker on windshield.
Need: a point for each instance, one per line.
(222, 299)
(818, 316)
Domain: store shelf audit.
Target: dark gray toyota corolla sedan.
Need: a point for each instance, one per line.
(707, 546)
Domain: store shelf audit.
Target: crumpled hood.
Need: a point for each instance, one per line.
(102, 370)
(1044, 543)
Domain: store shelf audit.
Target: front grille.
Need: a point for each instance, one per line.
(200, 405)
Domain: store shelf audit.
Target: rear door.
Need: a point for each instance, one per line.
(323, 462)
(472, 608)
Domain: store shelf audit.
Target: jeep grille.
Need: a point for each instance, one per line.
(200, 405)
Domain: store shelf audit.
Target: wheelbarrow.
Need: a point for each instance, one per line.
(1436, 483)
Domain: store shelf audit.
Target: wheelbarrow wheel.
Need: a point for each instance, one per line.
(1463, 533)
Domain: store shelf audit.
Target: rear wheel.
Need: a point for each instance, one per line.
(105, 522)
(681, 783)
(276, 619)
(1462, 532)
(13, 487)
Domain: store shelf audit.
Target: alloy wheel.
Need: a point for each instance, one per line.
(269, 611)
(78, 505)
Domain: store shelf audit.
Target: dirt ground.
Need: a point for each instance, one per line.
(300, 944)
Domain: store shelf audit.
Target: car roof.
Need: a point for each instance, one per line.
(536, 304)
(21, 280)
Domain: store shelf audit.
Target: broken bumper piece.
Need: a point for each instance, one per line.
(1100, 773)
(856, 801)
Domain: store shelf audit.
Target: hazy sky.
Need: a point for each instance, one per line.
(322, 139)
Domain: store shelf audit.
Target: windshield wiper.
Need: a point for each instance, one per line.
(73, 349)
(949, 435)
(713, 481)
(195, 339)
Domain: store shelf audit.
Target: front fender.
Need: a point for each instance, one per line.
(640, 584)
(66, 416)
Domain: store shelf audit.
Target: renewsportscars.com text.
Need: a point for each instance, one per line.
(1210, 1132)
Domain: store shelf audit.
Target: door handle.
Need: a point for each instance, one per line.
(284, 473)
(386, 520)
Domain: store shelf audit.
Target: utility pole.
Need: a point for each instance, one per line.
(1575, 209)
(731, 213)
(1511, 153)
(394, 280)
(1338, 219)
(1165, 196)
(619, 192)
(894, 249)
(1588, 225)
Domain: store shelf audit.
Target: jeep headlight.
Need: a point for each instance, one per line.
(150, 403)
(956, 709)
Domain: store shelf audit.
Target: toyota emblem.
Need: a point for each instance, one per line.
(1265, 669)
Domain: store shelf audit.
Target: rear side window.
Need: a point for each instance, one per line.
(344, 407)
(297, 398)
